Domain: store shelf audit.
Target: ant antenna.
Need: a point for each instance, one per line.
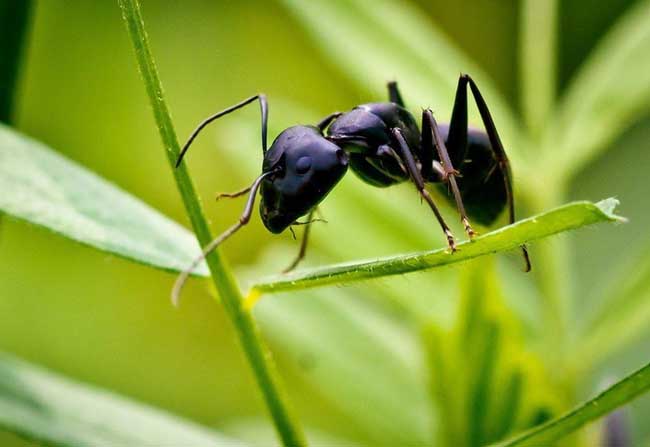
(264, 109)
(243, 220)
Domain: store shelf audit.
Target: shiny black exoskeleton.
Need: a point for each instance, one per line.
(382, 144)
(306, 167)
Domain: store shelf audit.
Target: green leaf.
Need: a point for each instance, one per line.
(615, 396)
(610, 93)
(45, 407)
(42, 187)
(564, 218)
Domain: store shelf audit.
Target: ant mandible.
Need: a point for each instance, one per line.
(382, 144)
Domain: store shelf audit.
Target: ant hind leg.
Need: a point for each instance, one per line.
(498, 151)
(394, 95)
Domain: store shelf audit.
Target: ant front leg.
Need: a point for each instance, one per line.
(243, 220)
(431, 140)
(418, 180)
(234, 194)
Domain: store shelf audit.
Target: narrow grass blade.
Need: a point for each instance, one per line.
(481, 393)
(50, 409)
(610, 91)
(41, 187)
(509, 404)
(564, 218)
(14, 18)
(538, 60)
(256, 352)
(619, 394)
(443, 386)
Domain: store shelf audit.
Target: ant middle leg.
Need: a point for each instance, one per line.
(418, 180)
(431, 140)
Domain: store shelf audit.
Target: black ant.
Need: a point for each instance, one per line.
(382, 144)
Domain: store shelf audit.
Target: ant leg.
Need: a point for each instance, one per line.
(417, 179)
(394, 95)
(243, 220)
(303, 243)
(232, 195)
(498, 150)
(457, 136)
(322, 125)
(264, 108)
(432, 134)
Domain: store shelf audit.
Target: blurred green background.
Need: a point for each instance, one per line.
(109, 322)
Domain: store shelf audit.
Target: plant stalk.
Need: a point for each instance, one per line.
(254, 347)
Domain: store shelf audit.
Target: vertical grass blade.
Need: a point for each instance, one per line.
(509, 404)
(481, 392)
(537, 60)
(14, 17)
(256, 352)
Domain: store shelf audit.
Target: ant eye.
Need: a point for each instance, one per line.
(303, 164)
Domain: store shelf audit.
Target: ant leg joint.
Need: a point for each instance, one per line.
(468, 228)
(450, 240)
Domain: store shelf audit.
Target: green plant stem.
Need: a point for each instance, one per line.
(615, 396)
(256, 352)
(537, 66)
(14, 18)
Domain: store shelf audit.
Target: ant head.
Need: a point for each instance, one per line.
(307, 167)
